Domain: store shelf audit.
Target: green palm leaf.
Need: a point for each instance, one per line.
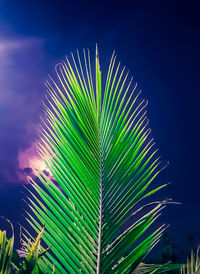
(95, 142)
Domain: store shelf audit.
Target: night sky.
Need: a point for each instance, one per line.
(158, 41)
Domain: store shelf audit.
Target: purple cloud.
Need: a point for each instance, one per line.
(22, 75)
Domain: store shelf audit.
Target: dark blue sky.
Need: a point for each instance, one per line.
(159, 43)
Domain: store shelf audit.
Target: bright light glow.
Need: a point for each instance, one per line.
(29, 158)
(38, 164)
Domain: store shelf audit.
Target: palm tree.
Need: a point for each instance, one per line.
(95, 142)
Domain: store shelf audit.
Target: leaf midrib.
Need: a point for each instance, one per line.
(100, 211)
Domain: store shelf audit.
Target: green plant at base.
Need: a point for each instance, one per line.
(10, 262)
(6, 251)
(32, 252)
(95, 142)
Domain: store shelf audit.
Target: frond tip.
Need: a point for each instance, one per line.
(96, 143)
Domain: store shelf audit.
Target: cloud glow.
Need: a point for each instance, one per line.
(29, 159)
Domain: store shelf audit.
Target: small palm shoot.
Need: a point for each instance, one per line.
(193, 264)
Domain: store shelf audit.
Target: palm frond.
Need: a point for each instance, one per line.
(96, 143)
